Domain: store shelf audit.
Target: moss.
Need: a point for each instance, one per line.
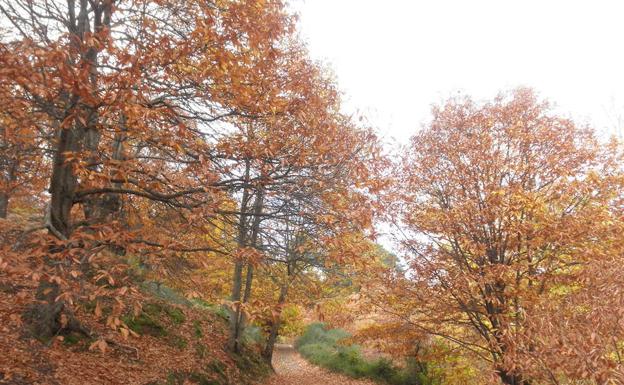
(72, 339)
(155, 310)
(202, 379)
(201, 351)
(218, 368)
(145, 324)
(136, 269)
(177, 341)
(148, 322)
(89, 307)
(176, 315)
(197, 329)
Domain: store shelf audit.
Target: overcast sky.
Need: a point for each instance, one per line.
(394, 58)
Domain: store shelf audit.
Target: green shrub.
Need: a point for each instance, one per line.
(325, 347)
(317, 333)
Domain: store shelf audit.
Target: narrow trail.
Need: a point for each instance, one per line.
(292, 369)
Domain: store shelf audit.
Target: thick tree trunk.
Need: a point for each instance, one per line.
(267, 353)
(63, 184)
(237, 322)
(96, 208)
(48, 317)
(84, 133)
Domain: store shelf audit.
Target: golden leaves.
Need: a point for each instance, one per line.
(496, 202)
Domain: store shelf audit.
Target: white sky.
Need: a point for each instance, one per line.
(394, 58)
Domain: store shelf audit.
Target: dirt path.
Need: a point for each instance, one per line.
(292, 369)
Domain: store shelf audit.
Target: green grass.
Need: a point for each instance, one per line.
(326, 348)
(217, 310)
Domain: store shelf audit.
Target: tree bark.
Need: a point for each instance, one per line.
(237, 279)
(238, 322)
(9, 164)
(267, 353)
(508, 378)
(4, 204)
(63, 183)
(83, 134)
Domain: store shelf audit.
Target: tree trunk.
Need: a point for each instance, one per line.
(237, 323)
(508, 378)
(84, 133)
(237, 279)
(63, 184)
(4, 204)
(96, 208)
(48, 317)
(235, 331)
(267, 353)
(10, 176)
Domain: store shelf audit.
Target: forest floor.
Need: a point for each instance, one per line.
(292, 369)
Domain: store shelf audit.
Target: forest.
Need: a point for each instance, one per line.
(184, 200)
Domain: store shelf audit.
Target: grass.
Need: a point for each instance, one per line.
(218, 310)
(326, 348)
(148, 322)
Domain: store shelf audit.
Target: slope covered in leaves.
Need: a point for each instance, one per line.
(168, 340)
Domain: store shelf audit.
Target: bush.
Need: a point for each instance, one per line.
(325, 347)
(316, 333)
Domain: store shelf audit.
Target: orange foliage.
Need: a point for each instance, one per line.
(510, 216)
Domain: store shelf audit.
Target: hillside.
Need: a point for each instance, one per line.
(167, 343)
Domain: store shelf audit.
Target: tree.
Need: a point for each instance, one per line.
(298, 147)
(132, 92)
(128, 97)
(506, 211)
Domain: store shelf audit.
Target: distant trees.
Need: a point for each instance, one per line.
(509, 212)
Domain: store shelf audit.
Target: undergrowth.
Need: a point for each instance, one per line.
(327, 348)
